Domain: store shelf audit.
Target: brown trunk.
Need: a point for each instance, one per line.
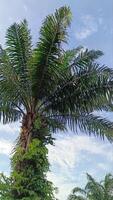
(26, 129)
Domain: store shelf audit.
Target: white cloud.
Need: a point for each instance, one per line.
(64, 187)
(9, 128)
(5, 147)
(102, 166)
(70, 154)
(90, 26)
(66, 151)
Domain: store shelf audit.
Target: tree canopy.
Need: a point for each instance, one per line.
(63, 86)
(94, 190)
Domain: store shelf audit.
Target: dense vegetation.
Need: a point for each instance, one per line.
(94, 190)
(48, 88)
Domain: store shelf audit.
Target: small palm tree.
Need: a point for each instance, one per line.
(48, 88)
(94, 190)
(102, 190)
(78, 194)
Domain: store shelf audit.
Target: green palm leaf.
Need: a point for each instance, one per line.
(46, 55)
(88, 123)
(83, 90)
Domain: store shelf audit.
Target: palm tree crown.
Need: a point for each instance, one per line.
(94, 190)
(61, 86)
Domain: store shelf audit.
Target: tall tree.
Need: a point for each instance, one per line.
(94, 190)
(48, 88)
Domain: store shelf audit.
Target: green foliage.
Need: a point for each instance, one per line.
(29, 171)
(94, 190)
(37, 123)
(5, 187)
(49, 88)
(42, 131)
(49, 81)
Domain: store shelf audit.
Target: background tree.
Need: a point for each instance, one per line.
(48, 88)
(94, 190)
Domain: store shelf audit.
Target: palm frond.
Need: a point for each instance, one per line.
(55, 125)
(94, 189)
(10, 87)
(84, 91)
(15, 83)
(76, 197)
(77, 194)
(79, 190)
(108, 183)
(83, 57)
(18, 43)
(88, 123)
(9, 113)
(45, 58)
(19, 50)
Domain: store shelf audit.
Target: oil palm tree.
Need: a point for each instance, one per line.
(49, 88)
(94, 190)
(78, 194)
(102, 190)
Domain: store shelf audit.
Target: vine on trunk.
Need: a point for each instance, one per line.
(28, 177)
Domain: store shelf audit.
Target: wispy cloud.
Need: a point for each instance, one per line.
(12, 128)
(66, 151)
(88, 27)
(72, 157)
(5, 147)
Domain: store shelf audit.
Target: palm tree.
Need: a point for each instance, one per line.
(94, 190)
(78, 194)
(102, 190)
(49, 88)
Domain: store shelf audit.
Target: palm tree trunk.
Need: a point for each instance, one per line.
(30, 164)
(26, 129)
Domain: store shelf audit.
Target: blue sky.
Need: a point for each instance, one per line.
(92, 26)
